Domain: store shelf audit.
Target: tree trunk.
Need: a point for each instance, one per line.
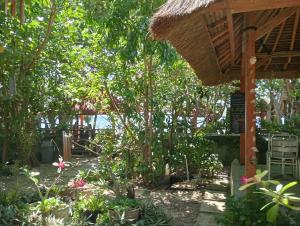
(147, 152)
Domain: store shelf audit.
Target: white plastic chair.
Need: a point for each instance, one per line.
(283, 150)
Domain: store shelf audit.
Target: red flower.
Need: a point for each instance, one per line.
(244, 180)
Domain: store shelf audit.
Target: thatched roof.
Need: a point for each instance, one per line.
(202, 37)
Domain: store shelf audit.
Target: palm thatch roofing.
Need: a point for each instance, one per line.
(208, 34)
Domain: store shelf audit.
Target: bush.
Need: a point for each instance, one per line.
(198, 150)
(12, 208)
(89, 209)
(246, 211)
(123, 204)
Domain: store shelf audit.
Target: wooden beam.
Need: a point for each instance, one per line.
(293, 38)
(292, 53)
(250, 77)
(241, 6)
(274, 22)
(231, 35)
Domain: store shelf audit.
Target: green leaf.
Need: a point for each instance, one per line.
(275, 182)
(266, 205)
(294, 198)
(246, 186)
(272, 214)
(287, 186)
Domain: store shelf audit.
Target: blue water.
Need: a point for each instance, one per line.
(102, 122)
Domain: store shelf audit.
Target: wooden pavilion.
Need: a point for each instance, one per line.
(226, 40)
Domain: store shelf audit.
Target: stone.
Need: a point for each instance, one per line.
(214, 195)
(208, 206)
(217, 187)
(205, 219)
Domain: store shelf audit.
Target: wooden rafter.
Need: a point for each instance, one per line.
(230, 27)
(275, 44)
(266, 36)
(274, 22)
(293, 53)
(212, 44)
(263, 61)
(231, 35)
(219, 35)
(240, 6)
(293, 38)
(265, 15)
(218, 23)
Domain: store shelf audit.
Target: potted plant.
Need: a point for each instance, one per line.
(89, 208)
(123, 210)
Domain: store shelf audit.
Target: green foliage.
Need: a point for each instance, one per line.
(5, 170)
(244, 211)
(153, 215)
(199, 153)
(12, 208)
(123, 204)
(279, 197)
(88, 209)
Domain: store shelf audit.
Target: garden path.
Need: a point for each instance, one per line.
(193, 203)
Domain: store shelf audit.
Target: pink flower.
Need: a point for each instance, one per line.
(244, 180)
(60, 164)
(77, 183)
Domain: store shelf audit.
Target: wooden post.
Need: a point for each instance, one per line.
(242, 135)
(250, 76)
(67, 146)
(242, 90)
(81, 120)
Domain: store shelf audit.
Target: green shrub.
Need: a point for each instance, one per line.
(88, 209)
(123, 204)
(5, 170)
(152, 215)
(12, 208)
(246, 211)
